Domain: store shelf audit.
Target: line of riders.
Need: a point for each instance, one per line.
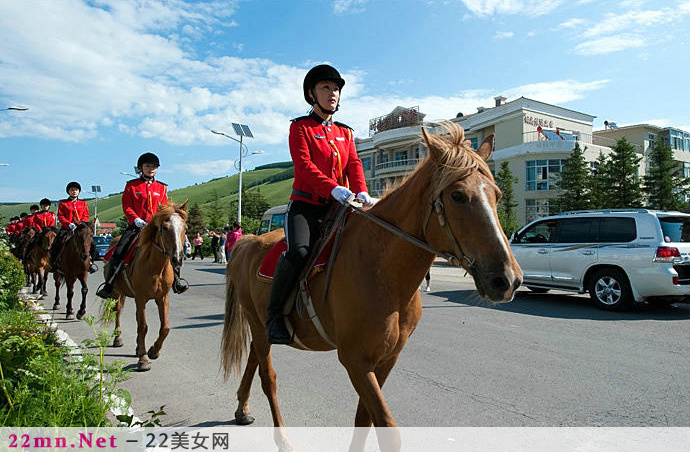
(140, 201)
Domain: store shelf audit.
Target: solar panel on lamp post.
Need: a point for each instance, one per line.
(243, 131)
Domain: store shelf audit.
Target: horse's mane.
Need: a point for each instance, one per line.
(165, 211)
(457, 159)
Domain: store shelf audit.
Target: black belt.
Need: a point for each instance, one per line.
(311, 196)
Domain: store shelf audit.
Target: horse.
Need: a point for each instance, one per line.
(38, 260)
(447, 204)
(150, 275)
(74, 265)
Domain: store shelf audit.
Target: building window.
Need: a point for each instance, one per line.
(401, 157)
(366, 163)
(686, 169)
(536, 208)
(543, 174)
(474, 143)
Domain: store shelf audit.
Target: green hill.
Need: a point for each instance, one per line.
(274, 181)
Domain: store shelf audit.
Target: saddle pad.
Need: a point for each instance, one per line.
(268, 267)
(128, 257)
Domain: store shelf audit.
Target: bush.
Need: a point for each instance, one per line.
(11, 277)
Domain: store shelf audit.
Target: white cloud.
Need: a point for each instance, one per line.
(631, 20)
(572, 23)
(503, 35)
(485, 8)
(348, 6)
(212, 168)
(609, 44)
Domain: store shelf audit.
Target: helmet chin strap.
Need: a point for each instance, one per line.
(328, 112)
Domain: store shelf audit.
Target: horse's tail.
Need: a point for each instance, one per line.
(234, 344)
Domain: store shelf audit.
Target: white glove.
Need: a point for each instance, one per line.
(366, 199)
(138, 222)
(342, 194)
(72, 226)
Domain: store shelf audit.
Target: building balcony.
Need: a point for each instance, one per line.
(395, 166)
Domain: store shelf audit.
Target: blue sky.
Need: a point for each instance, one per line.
(108, 80)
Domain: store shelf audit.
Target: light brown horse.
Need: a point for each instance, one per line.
(38, 260)
(373, 303)
(74, 265)
(150, 275)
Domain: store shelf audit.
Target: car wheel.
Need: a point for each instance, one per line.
(609, 289)
(538, 289)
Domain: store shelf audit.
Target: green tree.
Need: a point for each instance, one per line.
(254, 205)
(664, 185)
(506, 206)
(215, 218)
(625, 187)
(599, 182)
(575, 183)
(195, 220)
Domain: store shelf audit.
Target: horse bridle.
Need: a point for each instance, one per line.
(459, 259)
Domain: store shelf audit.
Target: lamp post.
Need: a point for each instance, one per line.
(95, 189)
(15, 108)
(128, 174)
(243, 131)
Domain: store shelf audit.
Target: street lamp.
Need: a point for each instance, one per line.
(95, 189)
(17, 108)
(243, 131)
(128, 174)
(4, 164)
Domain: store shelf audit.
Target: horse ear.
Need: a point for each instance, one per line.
(487, 147)
(433, 151)
(184, 206)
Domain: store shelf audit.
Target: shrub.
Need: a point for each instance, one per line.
(11, 277)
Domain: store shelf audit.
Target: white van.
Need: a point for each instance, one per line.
(620, 256)
(273, 218)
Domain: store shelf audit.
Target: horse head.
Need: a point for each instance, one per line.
(47, 239)
(83, 236)
(169, 226)
(463, 220)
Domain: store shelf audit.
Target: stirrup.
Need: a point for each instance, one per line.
(93, 268)
(101, 292)
(180, 282)
(277, 332)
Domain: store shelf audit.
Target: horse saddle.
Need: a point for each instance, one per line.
(129, 255)
(270, 262)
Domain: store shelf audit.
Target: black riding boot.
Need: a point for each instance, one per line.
(283, 283)
(180, 284)
(106, 290)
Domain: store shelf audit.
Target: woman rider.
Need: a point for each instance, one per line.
(327, 169)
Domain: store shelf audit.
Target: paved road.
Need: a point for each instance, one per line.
(542, 360)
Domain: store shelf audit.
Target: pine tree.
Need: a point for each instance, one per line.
(664, 184)
(625, 188)
(215, 217)
(254, 205)
(575, 183)
(599, 182)
(195, 220)
(506, 206)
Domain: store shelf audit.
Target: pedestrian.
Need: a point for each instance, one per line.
(221, 246)
(233, 236)
(327, 170)
(427, 278)
(198, 242)
(140, 201)
(215, 242)
(186, 247)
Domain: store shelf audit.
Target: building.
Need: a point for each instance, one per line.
(534, 137)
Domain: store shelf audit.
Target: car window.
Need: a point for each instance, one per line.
(617, 229)
(98, 240)
(537, 233)
(675, 229)
(263, 227)
(277, 221)
(576, 230)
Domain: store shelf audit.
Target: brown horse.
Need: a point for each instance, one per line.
(150, 275)
(74, 265)
(373, 303)
(38, 260)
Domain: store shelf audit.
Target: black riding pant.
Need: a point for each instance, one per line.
(302, 229)
(123, 245)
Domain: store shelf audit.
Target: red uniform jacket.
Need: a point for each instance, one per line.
(140, 199)
(11, 228)
(20, 226)
(324, 156)
(72, 212)
(44, 220)
(29, 222)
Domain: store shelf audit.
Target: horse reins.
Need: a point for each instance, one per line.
(463, 261)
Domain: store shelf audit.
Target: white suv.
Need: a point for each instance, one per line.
(620, 256)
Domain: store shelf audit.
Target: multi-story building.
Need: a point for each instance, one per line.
(535, 138)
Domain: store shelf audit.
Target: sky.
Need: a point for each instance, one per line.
(105, 81)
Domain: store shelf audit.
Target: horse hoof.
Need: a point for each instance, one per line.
(69, 316)
(153, 355)
(44, 293)
(117, 342)
(244, 419)
(56, 306)
(143, 366)
(80, 314)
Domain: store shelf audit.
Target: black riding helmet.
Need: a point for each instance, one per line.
(73, 184)
(317, 74)
(148, 157)
(45, 201)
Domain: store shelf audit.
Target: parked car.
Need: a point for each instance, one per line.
(619, 256)
(273, 218)
(101, 243)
